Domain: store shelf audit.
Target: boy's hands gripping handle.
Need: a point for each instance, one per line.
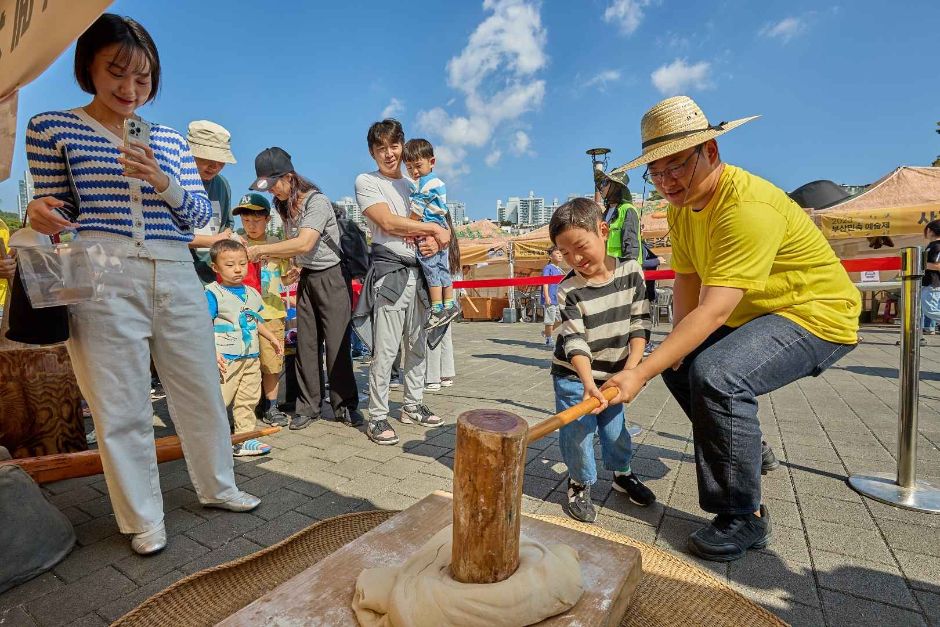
(571, 414)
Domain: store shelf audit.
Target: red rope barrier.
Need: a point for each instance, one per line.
(851, 265)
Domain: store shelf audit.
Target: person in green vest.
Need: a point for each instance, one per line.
(611, 193)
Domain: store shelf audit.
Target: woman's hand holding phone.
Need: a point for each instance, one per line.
(43, 219)
(139, 163)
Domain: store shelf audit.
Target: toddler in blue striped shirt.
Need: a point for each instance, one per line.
(429, 204)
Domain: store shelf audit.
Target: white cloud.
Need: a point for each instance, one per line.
(785, 30)
(626, 14)
(679, 76)
(673, 41)
(493, 158)
(602, 79)
(393, 108)
(449, 161)
(496, 75)
(521, 143)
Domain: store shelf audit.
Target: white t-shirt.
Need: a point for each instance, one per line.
(373, 188)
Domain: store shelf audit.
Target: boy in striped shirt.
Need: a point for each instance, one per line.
(605, 324)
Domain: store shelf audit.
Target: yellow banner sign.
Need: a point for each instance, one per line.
(872, 222)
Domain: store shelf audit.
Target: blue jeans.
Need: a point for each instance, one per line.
(357, 346)
(930, 306)
(577, 438)
(717, 387)
(436, 269)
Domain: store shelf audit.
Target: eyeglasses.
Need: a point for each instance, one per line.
(673, 171)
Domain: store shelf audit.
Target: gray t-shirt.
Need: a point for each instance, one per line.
(317, 214)
(373, 188)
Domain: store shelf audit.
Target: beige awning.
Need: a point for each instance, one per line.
(33, 33)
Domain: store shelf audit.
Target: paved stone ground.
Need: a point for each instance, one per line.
(836, 559)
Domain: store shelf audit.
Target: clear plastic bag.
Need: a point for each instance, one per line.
(73, 272)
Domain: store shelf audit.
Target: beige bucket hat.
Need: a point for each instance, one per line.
(619, 178)
(208, 140)
(674, 125)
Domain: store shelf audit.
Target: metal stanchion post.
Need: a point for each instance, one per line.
(903, 489)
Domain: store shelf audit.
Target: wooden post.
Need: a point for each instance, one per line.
(488, 471)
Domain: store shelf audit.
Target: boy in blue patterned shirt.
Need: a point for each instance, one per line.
(429, 204)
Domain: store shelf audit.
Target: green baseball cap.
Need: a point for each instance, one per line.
(252, 202)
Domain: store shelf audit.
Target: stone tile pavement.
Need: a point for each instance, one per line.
(836, 559)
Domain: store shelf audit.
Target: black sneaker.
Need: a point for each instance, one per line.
(376, 428)
(299, 421)
(421, 414)
(632, 487)
(350, 417)
(276, 417)
(451, 313)
(768, 461)
(436, 318)
(156, 389)
(580, 506)
(729, 536)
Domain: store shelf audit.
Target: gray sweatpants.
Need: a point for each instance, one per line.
(393, 322)
(441, 359)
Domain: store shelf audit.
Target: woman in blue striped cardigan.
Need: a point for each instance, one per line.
(147, 199)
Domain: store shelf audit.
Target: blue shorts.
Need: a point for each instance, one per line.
(436, 269)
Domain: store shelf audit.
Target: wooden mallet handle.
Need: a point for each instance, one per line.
(540, 430)
(59, 466)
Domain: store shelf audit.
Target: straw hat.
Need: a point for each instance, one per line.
(674, 125)
(208, 140)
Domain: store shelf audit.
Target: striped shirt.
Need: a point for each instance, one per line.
(429, 199)
(598, 320)
(111, 205)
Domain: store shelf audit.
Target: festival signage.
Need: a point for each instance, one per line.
(874, 222)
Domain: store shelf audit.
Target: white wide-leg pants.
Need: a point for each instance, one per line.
(111, 344)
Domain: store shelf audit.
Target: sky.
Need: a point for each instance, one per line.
(513, 92)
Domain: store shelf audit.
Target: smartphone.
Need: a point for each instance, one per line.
(71, 213)
(136, 131)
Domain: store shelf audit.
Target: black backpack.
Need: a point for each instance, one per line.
(353, 249)
(356, 259)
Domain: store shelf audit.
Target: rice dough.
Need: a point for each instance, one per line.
(422, 593)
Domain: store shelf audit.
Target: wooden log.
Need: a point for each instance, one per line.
(540, 430)
(49, 468)
(488, 473)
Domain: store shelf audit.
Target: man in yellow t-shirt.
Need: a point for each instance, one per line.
(255, 212)
(760, 300)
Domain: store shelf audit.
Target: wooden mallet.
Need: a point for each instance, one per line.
(489, 465)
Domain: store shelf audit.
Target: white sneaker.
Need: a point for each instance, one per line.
(241, 502)
(446, 382)
(432, 387)
(149, 542)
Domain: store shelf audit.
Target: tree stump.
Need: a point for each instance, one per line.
(488, 474)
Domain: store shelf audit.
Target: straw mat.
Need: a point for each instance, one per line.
(671, 592)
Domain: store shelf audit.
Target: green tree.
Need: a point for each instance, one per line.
(936, 162)
(11, 220)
